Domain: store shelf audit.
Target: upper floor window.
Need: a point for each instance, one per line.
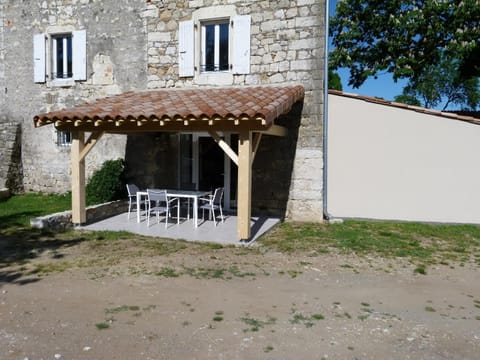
(60, 58)
(214, 46)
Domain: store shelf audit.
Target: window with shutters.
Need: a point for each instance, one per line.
(60, 58)
(214, 46)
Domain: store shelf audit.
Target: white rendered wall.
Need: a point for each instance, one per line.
(391, 163)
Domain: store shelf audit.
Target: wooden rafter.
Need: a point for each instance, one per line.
(90, 143)
(225, 147)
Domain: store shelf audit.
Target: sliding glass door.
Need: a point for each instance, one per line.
(204, 166)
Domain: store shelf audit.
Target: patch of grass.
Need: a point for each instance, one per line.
(218, 273)
(294, 273)
(256, 324)
(19, 209)
(268, 348)
(420, 270)
(167, 272)
(429, 309)
(427, 242)
(305, 320)
(218, 316)
(52, 267)
(318, 317)
(102, 326)
(122, 309)
(344, 315)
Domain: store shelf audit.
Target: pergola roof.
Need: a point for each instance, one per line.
(194, 109)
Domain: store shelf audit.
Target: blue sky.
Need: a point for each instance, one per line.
(383, 86)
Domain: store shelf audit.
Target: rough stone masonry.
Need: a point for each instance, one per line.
(133, 45)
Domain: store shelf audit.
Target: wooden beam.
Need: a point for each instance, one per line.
(244, 184)
(256, 141)
(127, 127)
(92, 140)
(79, 214)
(225, 147)
(275, 130)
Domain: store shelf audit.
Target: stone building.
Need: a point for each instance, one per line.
(55, 54)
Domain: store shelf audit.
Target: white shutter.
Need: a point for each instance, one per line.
(186, 54)
(39, 60)
(241, 44)
(79, 55)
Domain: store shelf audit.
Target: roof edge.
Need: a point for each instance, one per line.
(450, 115)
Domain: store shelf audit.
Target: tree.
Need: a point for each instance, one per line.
(404, 37)
(444, 83)
(334, 81)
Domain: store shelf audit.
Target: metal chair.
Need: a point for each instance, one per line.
(212, 203)
(159, 203)
(132, 190)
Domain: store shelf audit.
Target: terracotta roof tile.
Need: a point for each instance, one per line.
(229, 103)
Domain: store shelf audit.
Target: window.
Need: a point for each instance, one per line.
(64, 138)
(60, 57)
(214, 46)
(62, 64)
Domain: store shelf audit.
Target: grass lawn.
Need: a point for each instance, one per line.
(422, 244)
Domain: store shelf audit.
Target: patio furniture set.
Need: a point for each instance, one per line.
(162, 201)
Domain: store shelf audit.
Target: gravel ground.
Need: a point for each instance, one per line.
(229, 304)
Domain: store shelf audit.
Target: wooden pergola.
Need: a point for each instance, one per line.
(248, 111)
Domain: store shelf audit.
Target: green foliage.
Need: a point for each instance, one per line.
(404, 37)
(408, 99)
(107, 183)
(442, 82)
(334, 81)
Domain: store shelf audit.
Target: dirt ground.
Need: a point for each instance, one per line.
(235, 304)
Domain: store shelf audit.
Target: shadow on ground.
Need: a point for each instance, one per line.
(18, 246)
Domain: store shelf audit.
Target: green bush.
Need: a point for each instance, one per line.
(107, 183)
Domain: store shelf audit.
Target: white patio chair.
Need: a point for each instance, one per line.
(159, 203)
(132, 190)
(212, 203)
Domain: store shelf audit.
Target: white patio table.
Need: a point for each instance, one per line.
(185, 194)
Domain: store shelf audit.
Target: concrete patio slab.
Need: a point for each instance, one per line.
(224, 233)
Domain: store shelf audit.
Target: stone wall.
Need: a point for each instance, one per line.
(11, 175)
(2, 58)
(63, 220)
(133, 45)
(287, 47)
(116, 62)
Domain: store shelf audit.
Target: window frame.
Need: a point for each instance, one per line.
(67, 56)
(217, 46)
(63, 138)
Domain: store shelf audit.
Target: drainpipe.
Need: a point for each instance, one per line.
(326, 215)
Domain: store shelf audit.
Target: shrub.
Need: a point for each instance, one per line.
(107, 183)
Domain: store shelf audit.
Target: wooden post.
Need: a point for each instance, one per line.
(244, 202)
(79, 214)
